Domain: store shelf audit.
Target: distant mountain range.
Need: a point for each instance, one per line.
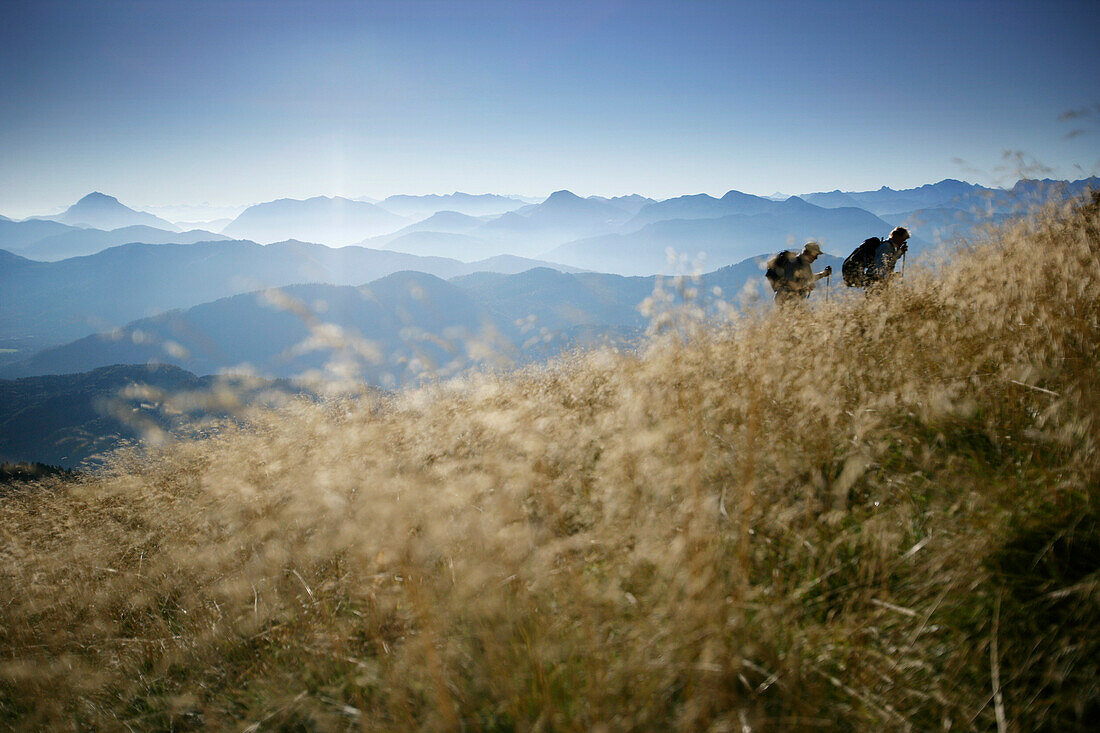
(412, 320)
(534, 228)
(416, 323)
(574, 231)
(953, 194)
(50, 239)
(886, 200)
(40, 239)
(561, 218)
(600, 234)
(49, 303)
(701, 206)
(474, 227)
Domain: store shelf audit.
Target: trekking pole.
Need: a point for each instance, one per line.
(903, 264)
(828, 282)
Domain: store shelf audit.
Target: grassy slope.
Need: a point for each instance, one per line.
(883, 517)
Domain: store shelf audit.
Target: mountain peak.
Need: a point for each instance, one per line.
(562, 195)
(95, 197)
(735, 194)
(798, 202)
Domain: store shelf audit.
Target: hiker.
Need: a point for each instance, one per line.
(873, 261)
(888, 254)
(792, 277)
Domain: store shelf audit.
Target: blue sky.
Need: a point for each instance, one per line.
(226, 102)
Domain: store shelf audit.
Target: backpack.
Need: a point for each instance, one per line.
(780, 268)
(856, 270)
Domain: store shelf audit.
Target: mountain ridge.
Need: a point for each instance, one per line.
(332, 220)
(52, 303)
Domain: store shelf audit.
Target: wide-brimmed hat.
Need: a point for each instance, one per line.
(813, 248)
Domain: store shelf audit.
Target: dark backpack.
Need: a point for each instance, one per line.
(780, 268)
(856, 270)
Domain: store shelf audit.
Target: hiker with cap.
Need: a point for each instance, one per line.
(792, 277)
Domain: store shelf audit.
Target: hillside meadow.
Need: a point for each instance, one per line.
(876, 513)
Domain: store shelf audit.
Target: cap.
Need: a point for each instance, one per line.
(813, 248)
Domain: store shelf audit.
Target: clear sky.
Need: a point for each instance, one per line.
(226, 102)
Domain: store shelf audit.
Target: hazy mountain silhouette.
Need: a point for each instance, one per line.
(560, 300)
(78, 242)
(950, 194)
(100, 211)
(631, 204)
(565, 208)
(723, 240)
(700, 206)
(18, 235)
(445, 222)
(472, 205)
(831, 199)
(414, 321)
(332, 221)
(562, 217)
(947, 193)
(1028, 192)
(48, 303)
(445, 233)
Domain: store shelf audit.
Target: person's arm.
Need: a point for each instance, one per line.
(824, 273)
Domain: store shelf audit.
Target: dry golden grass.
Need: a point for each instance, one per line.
(880, 514)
